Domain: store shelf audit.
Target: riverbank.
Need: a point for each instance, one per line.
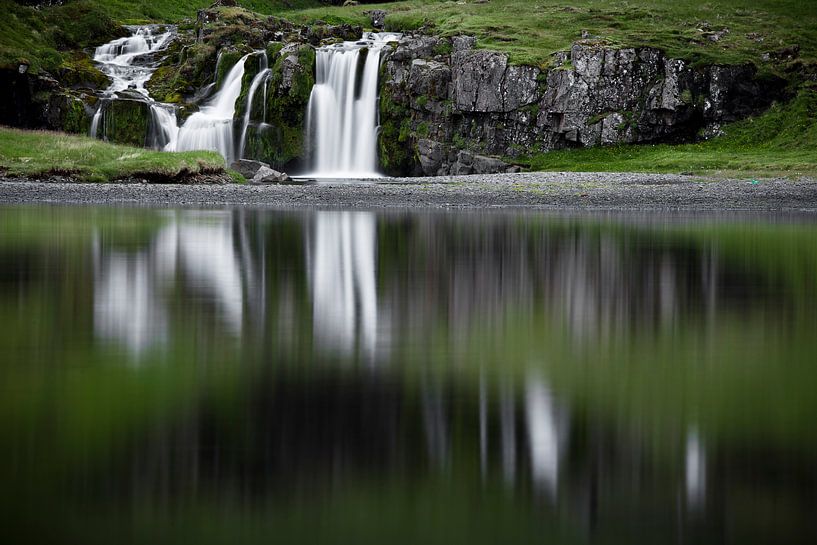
(536, 190)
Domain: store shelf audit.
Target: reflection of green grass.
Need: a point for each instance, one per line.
(40, 153)
(71, 228)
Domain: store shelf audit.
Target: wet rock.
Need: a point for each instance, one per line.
(470, 163)
(429, 79)
(266, 175)
(431, 155)
(378, 17)
(127, 121)
(247, 167)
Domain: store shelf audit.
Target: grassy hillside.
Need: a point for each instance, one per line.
(40, 153)
(530, 30)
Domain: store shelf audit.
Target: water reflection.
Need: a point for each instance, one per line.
(342, 274)
(131, 303)
(497, 377)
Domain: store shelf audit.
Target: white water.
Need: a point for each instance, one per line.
(211, 128)
(260, 79)
(342, 267)
(129, 64)
(342, 116)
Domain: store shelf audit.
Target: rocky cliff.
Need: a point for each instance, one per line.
(446, 106)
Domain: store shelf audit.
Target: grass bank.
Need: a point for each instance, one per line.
(781, 142)
(531, 30)
(42, 153)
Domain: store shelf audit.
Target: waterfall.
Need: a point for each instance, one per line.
(260, 79)
(129, 63)
(211, 128)
(342, 114)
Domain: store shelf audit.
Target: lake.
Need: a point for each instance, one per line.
(249, 375)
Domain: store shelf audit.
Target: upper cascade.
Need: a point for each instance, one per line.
(342, 115)
(129, 63)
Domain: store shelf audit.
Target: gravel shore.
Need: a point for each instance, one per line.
(538, 190)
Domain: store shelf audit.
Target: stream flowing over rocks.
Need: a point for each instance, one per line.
(445, 106)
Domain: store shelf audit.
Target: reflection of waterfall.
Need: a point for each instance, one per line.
(132, 294)
(695, 470)
(342, 270)
(543, 435)
(127, 306)
(342, 110)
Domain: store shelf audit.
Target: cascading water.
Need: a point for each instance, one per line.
(342, 116)
(260, 80)
(211, 128)
(129, 63)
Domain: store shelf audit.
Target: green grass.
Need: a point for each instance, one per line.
(40, 153)
(529, 30)
(782, 142)
(532, 30)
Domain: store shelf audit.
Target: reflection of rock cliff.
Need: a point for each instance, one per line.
(595, 285)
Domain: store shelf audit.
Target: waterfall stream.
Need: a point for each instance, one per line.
(211, 128)
(129, 63)
(342, 116)
(260, 80)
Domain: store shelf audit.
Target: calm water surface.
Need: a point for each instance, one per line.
(236, 376)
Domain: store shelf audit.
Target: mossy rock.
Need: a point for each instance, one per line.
(395, 142)
(280, 141)
(79, 71)
(126, 121)
(281, 146)
(226, 60)
(76, 115)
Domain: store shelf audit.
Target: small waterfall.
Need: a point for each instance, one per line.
(259, 80)
(211, 128)
(342, 115)
(129, 63)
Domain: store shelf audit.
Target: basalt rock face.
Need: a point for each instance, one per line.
(41, 102)
(445, 97)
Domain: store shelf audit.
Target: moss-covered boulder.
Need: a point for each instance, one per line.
(126, 121)
(72, 112)
(396, 140)
(276, 132)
